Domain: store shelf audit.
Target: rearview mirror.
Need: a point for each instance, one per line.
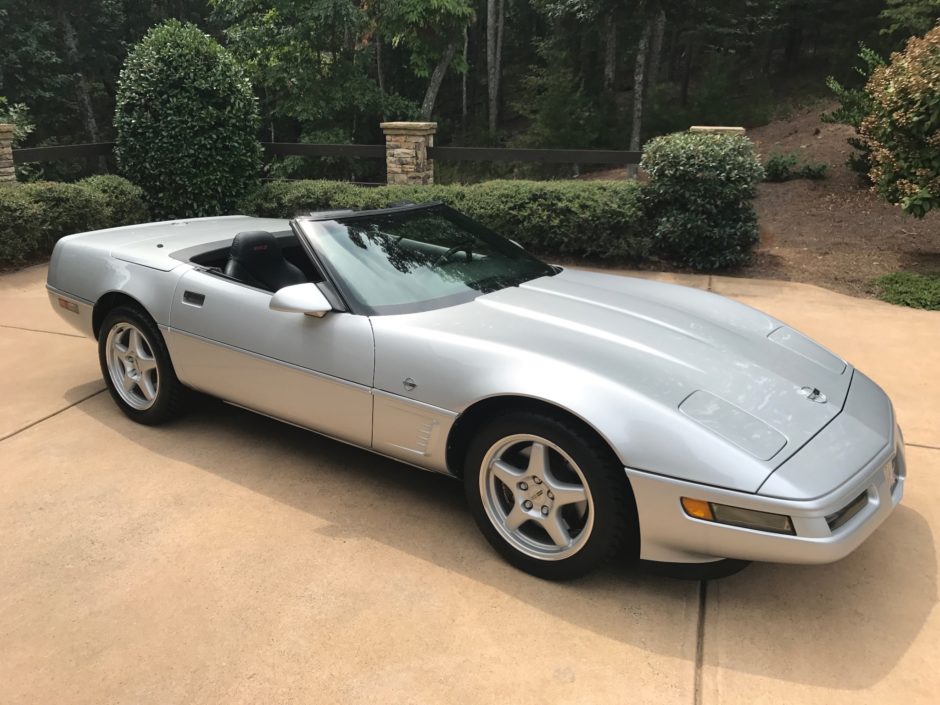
(301, 298)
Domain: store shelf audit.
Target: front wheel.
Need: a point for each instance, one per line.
(548, 495)
(136, 367)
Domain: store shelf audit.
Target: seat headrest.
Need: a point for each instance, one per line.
(255, 245)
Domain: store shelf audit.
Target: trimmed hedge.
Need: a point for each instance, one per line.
(551, 218)
(125, 202)
(699, 197)
(34, 216)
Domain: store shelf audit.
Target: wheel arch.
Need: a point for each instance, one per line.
(481, 411)
(109, 301)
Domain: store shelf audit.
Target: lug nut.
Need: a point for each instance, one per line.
(538, 481)
(527, 504)
(523, 486)
(550, 495)
(544, 511)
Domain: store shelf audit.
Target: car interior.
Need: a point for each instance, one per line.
(264, 260)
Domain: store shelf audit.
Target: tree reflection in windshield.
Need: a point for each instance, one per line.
(420, 259)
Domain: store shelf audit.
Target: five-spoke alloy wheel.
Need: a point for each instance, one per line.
(136, 366)
(548, 494)
(132, 366)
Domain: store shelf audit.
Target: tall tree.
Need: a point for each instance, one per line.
(430, 31)
(495, 24)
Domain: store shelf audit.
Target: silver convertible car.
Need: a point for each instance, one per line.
(588, 415)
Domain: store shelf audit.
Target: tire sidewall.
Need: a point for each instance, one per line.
(162, 408)
(612, 504)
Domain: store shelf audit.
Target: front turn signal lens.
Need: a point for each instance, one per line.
(737, 516)
(698, 508)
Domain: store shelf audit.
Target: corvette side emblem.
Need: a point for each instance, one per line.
(814, 394)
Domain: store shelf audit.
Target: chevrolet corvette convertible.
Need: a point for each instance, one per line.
(588, 415)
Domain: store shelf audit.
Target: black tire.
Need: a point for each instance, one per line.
(168, 394)
(614, 528)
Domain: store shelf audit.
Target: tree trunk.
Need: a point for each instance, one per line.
(687, 70)
(500, 26)
(463, 84)
(379, 72)
(434, 85)
(70, 41)
(656, 48)
(493, 8)
(639, 84)
(610, 53)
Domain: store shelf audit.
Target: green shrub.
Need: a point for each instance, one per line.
(910, 289)
(779, 167)
(854, 106)
(903, 128)
(65, 209)
(699, 198)
(186, 119)
(125, 201)
(34, 216)
(551, 218)
(19, 225)
(783, 167)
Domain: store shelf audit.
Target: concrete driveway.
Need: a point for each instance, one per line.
(231, 559)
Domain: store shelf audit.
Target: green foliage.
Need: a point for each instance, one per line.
(186, 119)
(903, 128)
(18, 115)
(854, 106)
(65, 209)
(783, 167)
(124, 202)
(779, 167)
(910, 17)
(699, 197)
(19, 225)
(910, 289)
(560, 116)
(34, 216)
(562, 218)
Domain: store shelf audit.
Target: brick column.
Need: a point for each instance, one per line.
(6, 153)
(406, 152)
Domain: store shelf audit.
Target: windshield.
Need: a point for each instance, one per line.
(417, 260)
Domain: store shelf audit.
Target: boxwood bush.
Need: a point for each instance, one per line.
(34, 216)
(699, 198)
(551, 218)
(124, 201)
(186, 118)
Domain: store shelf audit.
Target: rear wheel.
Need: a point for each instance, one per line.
(136, 367)
(548, 495)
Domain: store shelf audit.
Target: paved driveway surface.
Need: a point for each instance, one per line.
(228, 558)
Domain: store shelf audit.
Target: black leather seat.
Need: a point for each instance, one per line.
(256, 259)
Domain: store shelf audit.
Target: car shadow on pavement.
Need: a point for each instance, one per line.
(792, 619)
(844, 625)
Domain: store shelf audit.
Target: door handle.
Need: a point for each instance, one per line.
(193, 298)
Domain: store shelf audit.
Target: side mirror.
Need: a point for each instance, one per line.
(301, 298)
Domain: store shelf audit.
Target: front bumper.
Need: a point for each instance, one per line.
(670, 535)
(848, 458)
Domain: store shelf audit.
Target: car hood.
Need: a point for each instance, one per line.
(739, 373)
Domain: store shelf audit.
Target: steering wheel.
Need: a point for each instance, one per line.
(456, 248)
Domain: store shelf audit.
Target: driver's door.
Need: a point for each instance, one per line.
(314, 372)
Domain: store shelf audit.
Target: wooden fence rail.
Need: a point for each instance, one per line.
(361, 151)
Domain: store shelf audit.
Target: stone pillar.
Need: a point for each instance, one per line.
(717, 129)
(406, 152)
(6, 153)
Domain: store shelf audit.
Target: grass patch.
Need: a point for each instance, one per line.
(910, 289)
